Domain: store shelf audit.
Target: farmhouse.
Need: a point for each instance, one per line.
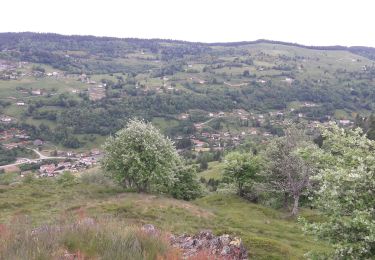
(38, 142)
(47, 169)
(36, 92)
(5, 119)
(308, 104)
(199, 144)
(345, 122)
(288, 80)
(183, 116)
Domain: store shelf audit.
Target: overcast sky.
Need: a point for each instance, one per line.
(312, 22)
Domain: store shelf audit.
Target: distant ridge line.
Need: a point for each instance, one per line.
(368, 52)
(238, 43)
(329, 47)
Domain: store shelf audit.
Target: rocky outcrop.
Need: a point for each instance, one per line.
(218, 247)
(205, 243)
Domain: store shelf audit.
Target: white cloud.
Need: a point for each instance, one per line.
(319, 22)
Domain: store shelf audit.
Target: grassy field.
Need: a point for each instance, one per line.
(267, 233)
(162, 123)
(214, 171)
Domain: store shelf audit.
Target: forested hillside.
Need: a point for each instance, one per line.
(77, 86)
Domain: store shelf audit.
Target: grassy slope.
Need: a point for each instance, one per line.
(85, 239)
(214, 171)
(266, 233)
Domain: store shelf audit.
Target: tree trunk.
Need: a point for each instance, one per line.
(240, 189)
(295, 205)
(285, 204)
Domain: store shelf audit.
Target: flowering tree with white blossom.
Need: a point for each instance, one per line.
(346, 193)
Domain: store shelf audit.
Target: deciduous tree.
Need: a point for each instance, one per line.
(346, 193)
(140, 156)
(241, 169)
(287, 172)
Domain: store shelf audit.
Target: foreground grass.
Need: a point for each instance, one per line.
(82, 239)
(267, 234)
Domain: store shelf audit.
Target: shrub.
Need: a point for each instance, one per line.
(8, 178)
(67, 179)
(96, 177)
(186, 185)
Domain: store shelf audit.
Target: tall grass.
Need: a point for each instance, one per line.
(82, 239)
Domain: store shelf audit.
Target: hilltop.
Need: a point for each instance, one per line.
(266, 233)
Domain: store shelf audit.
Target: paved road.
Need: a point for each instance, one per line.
(26, 160)
(15, 164)
(44, 157)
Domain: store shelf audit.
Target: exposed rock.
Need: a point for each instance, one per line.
(225, 251)
(225, 240)
(217, 247)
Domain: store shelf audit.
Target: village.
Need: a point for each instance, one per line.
(47, 163)
(239, 126)
(249, 125)
(73, 162)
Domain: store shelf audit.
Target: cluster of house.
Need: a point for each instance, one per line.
(9, 75)
(11, 146)
(216, 141)
(86, 79)
(198, 80)
(13, 133)
(52, 74)
(76, 163)
(19, 137)
(33, 92)
(252, 125)
(8, 69)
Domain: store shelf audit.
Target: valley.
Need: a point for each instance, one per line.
(256, 141)
(206, 97)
